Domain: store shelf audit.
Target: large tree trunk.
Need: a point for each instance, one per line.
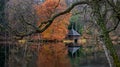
(109, 45)
(106, 38)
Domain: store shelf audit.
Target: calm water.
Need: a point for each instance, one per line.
(54, 55)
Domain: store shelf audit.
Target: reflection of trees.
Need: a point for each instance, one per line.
(38, 55)
(22, 55)
(53, 55)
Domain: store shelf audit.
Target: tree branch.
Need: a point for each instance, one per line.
(49, 21)
(26, 34)
(116, 11)
(114, 27)
(57, 4)
(35, 27)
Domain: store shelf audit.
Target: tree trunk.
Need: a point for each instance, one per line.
(107, 54)
(106, 38)
(109, 45)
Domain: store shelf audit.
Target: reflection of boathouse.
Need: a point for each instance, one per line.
(73, 48)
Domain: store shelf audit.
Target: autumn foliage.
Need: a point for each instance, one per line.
(58, 29)
(53, 55)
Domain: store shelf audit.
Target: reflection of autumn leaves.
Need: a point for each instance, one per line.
(53, 55)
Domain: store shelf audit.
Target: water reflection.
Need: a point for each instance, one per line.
(60, 55)
(55, 55)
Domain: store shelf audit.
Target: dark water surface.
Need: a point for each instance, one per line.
(55, 55)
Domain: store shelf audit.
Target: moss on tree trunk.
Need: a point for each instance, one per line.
(109, 45)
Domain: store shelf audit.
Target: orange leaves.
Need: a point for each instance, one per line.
(53, 55)
(46, 9)
(58, 29)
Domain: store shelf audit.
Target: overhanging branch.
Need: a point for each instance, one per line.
(65, 11)
(49, 21)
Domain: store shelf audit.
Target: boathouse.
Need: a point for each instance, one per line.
(73, 48)
(73, 35)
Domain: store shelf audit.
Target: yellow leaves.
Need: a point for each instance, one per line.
(68, 41)
(22, 41)
(82, 41)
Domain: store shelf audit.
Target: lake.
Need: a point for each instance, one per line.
(54, 55)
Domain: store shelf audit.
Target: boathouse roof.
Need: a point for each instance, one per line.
(72, 32)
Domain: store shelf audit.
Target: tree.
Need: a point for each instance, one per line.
(102, 10)
(100, 20)
(20, 14)
(58, 29)
(101, 15)
(3, 25)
